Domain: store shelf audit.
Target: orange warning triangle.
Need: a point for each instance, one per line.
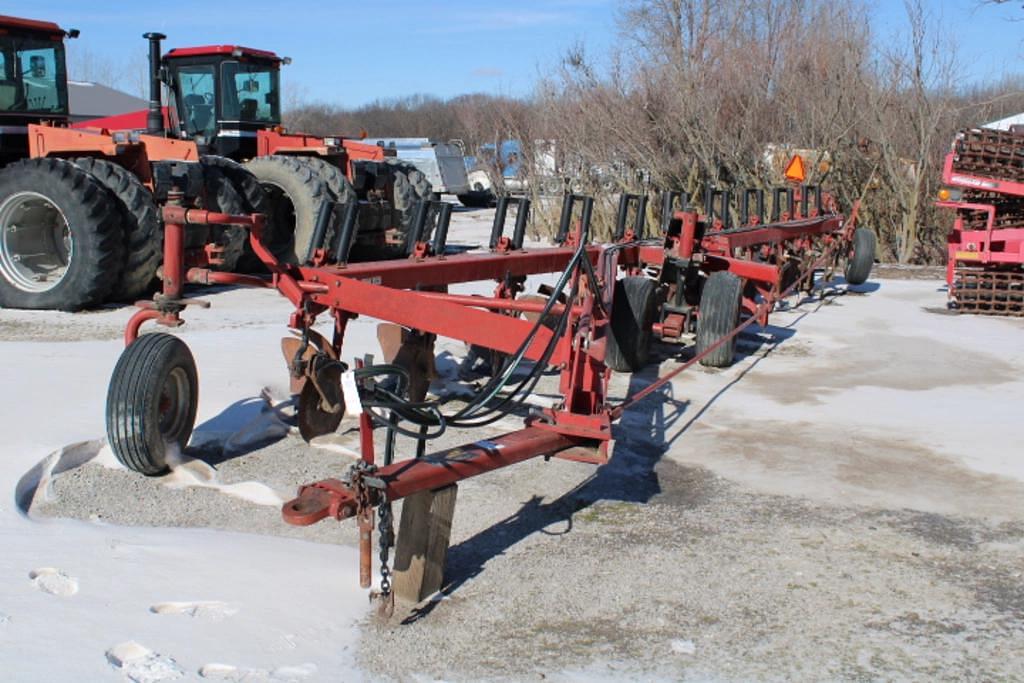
(795, 170)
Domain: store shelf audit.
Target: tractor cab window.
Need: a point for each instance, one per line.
(32, 75)
(250, 93)
(198, 99)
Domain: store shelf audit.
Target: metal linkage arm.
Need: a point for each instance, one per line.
(334, 498)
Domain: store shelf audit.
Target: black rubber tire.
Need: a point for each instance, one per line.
(422, 190)
(254, 200)
(425, 193)
(340, 187)
(862, 257)
(136, 431)
(94, 222)
(221, 195)
(719, 315)
(420, 184)
(141, 225)
(404, 200)
(476, 200)
(295, 194)
(634, 306)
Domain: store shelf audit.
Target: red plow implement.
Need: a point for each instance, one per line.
(706, 274)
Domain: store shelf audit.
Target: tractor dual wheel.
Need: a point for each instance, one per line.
(861, 258)
(720, 304)
(340, 187)
(61, 237)
(225, 193)
(634, 306)
(295, 192)
(248, 197)
(410, 188)
(142, 226)
(152, 402)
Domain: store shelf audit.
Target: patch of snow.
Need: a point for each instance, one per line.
(53, 581)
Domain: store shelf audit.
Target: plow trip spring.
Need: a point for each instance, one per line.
(706, 273)
(984, 178)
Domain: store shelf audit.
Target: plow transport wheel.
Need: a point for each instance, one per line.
(633, 309)
(719, 314)
(151, 402)
(862, 257)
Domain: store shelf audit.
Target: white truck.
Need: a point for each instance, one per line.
(441, 162)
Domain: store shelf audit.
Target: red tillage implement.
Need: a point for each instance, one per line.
(698, 275)
(984, 173)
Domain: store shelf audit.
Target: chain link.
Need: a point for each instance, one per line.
(386, 529)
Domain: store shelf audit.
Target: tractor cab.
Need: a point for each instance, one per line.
(220, 96)
(33, 80)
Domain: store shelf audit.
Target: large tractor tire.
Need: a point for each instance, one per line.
(719, 315)
(862, 257)
(407, 201)
(404, 200)
(152, 402)
(343, 193)
(61, 239)
(340, 187)
(246, 196)
(220, 195)
(634, 305)
(141, 224)
(420, 184)
(295, 193)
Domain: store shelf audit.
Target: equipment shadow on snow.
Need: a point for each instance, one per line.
(244, 426)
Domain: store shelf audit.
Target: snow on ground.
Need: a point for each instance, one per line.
(871, 401)
(188, 598)
(85, 601)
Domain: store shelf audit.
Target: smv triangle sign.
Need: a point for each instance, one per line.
(795, 169)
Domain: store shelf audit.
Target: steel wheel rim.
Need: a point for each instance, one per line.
(36, 244)
(173, 404)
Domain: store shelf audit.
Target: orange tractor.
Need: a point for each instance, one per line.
(80, 211)
(226, 99)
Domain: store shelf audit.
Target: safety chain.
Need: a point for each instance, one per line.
(387, 532)
(361, 480)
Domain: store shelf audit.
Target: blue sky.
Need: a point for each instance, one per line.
(350, 53)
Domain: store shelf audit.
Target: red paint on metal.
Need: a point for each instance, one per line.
(17, 23)
(332, 498)
(221, 50)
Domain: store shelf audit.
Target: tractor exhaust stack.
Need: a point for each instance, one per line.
(155, 118)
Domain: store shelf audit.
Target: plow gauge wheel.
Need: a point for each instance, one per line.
(151, 402)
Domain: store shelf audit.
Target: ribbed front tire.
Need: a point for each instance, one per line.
(719, 315)
(152, 402)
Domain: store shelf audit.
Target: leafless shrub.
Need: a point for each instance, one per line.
(714, 92)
